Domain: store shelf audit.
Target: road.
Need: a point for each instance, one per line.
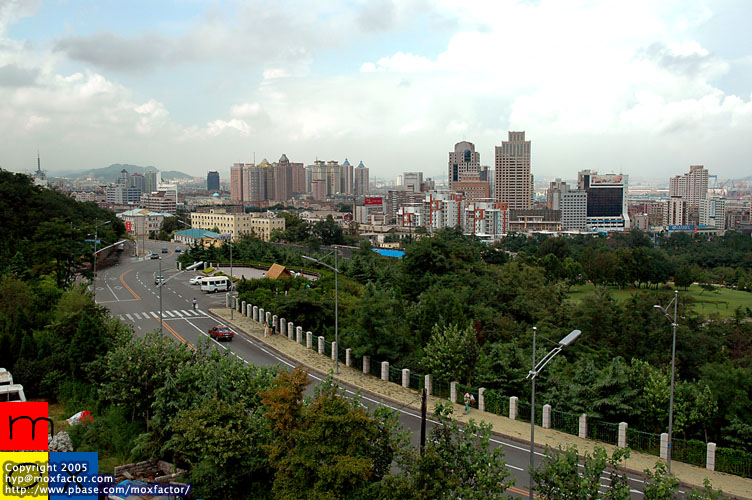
(129, 292)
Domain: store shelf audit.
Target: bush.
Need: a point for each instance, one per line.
(110, 433)
(208, 270)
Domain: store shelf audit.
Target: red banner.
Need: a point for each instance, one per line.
(377, 200)
(128, 225)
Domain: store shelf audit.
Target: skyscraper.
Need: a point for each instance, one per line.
(237, 182)
(124, 180)
(212, 181)
(463, 161)
(512, 183)
(150, 182)
(412, 181)
(361, 179)
(346, 177)
(137, 181)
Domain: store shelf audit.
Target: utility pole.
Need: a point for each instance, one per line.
(232, 297)
(94, 278)
(336, 313)
(161, 282)
(423, 421)
(532, 419)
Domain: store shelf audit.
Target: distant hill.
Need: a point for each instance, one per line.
(112, 173)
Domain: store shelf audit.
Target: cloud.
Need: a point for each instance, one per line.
(113, 52)
(12, 75)
(400, 62)
(13, 10)
(688, 58)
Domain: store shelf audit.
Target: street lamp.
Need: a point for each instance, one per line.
(232, 297)
(161, 282)
(96, 240)
(674, 324)
(336, 305)
(569, 339)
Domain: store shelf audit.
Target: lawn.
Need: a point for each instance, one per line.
(721, 301)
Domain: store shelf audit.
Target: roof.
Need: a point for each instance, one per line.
(346, 162)
(136, 212)
(196, 233)
(398, 254)
(276, 271)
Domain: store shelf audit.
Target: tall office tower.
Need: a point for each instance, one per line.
(298, 178)
(137, 181)
(676, 211)
(346, 177)
(677, 186)
(150, 182)
(282, 179)
(412, 181)
(256, 183)
(124, 180)
(463, 161)
(697, 185)
(606, 199)
(555, 191)
(308, 178)
(361, 179)
(513, 181)
(334, 177)
(212, 181)
(573, 206)
(237, 182)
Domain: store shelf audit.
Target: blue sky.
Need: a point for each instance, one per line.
(641, 87)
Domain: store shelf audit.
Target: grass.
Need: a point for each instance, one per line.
(721, 301)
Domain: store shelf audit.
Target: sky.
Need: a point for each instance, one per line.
(644, 87)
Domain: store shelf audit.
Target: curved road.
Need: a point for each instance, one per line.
(128, 290)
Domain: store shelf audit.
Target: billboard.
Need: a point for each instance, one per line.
(128, 226)
(374, 200)
(606, 179)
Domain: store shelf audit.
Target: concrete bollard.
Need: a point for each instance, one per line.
(348, 357)
(513, 407)
(298, 333)
(290, 329)
(427, 383)
(227, 300)
(385, 370)
(546, 417)
(321, 345)
(242, 308)
(710, 459)
(261, 315)
(664, 446)
(268, 318)
(275, 323)
(622, 440)
(481, 399)
(237, 304)
(366, 365)
(249, 311)
(282, 325)
(582, 431)
(255, 313)
(334, 351)
(405, 377)
(453, 392)
(309, 340)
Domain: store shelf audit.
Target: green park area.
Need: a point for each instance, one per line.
(720, 301)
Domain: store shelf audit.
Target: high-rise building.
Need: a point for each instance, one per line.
(513, 181)
(346, 177)
(606, 200)
(555, 191)
(361, 179)
(713, 213)
(463, 161)
(150, 182)
(120, 194)
(137, 181)
(676, 211)
(413, 181)
(212, 181)
(573, 205)
(692, 186)
(124, 180)
(237, 182)
(282, 180)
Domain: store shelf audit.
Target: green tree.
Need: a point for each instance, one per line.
(451, 353)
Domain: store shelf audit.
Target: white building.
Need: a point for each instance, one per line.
(713, 213)
(573, 206)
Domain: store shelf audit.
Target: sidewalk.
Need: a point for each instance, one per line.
(512, 429)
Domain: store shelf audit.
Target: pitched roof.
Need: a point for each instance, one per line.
(196, 233)
(276, 271)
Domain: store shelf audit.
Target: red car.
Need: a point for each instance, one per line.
(220, 332)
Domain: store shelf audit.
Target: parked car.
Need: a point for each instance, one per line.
(196, 280)
(154, 256)
(220, 332)
(164, 250)
(158, 280)
(178, 250)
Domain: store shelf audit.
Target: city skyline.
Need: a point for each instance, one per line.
(198, 87)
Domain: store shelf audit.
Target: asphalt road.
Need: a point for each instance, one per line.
(128, 290)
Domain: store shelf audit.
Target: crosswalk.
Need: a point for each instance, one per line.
(152, 315)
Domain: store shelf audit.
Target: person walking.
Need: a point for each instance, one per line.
(467, 402)
(266, 329)
(195, 303)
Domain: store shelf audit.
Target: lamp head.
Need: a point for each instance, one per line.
(570, 338)
(660, 308)
(309, 258)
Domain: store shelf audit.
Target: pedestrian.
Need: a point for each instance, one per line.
(195, 303)
(467, 402)
(266, 329)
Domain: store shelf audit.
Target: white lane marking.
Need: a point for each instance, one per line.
(136, 315)
(113, 301)
(122, 318)
(202, 312)
(130, 318)
(186, 313)
(155, 316)
(206, 335)
(168, 313)
(145, 315)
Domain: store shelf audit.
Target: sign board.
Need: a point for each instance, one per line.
(128, 226)
(348, 217)
(374, 200)
(681, 228)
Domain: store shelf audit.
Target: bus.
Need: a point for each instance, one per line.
(215, 284)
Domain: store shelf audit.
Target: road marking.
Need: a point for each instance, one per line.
(177, 335)
(122, 318)
(137, 316)
(168, 313)
(207, 335)
(130, 318)
(185, 312)
(113, 301)
(126, 284)
(177, 313)
(202, 312)
(155, 316)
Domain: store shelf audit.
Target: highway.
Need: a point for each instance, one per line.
(129, 292)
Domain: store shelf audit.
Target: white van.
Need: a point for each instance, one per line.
(215, 284)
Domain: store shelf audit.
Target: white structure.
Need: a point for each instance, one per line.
(412, 181)
(142, 221)
(573, 206)
(676, 211)
(489, 220)
(713, 213)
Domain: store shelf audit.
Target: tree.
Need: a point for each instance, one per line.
(451, 353)
(564, 475)
(329, 232)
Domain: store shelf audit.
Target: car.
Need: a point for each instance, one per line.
(196, 280)
(220, 332)
(164, 250)
(158, 280)
(178, 250)
(154, 256)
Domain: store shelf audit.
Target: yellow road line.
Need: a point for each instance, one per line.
(126, 284)
(177, 335)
